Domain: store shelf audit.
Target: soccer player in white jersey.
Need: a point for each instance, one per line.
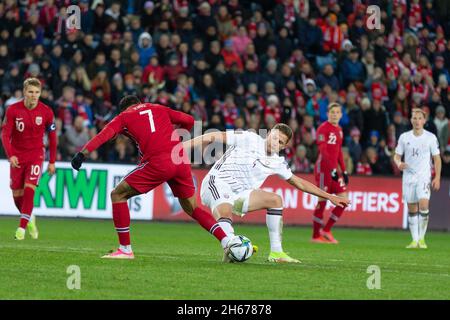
(232, 185)
(418, 146)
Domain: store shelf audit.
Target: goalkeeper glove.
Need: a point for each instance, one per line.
(77, 160)
(334, 175)
(345, 175)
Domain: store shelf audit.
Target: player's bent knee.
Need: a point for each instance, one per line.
(118, 195)
(188, 205)
(275, 201)
(223, 211)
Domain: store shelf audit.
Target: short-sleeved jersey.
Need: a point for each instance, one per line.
(245, 165)
(25, 130)
(329, 140)
(418, 151)
(150, 126)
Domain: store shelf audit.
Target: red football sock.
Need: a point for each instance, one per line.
(208, 222)
(27, 206)
(121, 217)
(335, 215)
(18, 201)
(318, 218)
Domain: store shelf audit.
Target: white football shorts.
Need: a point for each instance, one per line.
(215, 192)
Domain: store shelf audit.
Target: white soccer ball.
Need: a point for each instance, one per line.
(241, 248)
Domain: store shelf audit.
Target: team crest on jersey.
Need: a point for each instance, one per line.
(38, 121)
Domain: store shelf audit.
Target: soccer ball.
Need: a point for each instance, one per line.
(241, 249)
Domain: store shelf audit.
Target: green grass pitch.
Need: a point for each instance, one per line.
(182, 261)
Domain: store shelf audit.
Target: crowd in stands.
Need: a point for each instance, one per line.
(237, 64)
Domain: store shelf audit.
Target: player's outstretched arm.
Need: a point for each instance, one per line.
(308, 187)
(184, 120)
(436, 183)
(204, 140)
(79, 158)
(108, 132)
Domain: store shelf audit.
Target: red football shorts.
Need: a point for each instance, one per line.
(29, 172)
(327, 184)
(149, 175)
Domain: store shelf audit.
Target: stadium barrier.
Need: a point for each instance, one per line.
(376, 201)
(70, 194)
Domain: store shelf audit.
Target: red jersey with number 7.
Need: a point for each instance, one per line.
(23, 132)
(329, 140)
(149, 125)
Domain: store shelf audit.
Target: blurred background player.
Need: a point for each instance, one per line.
(418, 146)
(151, 127)
(329, 140)
(23, 131)
(232, 186)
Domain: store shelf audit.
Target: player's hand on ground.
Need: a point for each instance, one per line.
(339, 201)
(345, 176)
(14, 162)
(77, 160)
(51, 169)
(334, 175)
(436, 184)
(402, 166)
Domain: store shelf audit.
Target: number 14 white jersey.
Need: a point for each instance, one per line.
(418, 151)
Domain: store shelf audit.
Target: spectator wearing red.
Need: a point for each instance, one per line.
(47, 13)
(299, 162)
(415, 11)
(241, 40)
(332, 34)
(272, 108)
(230, 57)
(399, 19)
(153, 71)
(230, 111)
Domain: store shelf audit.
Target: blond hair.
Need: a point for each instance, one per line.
(32, 82)
(418, 110)
(333, 105)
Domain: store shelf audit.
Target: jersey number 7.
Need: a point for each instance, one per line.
(150, 118)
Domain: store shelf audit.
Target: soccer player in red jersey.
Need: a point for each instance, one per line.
(329, 139)
(23, 131)
(151, 127)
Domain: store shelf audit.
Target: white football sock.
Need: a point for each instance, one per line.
(226, 225)
(126, 249)
(274, 221)
(423, 223)
(413, 221)
(224, 241)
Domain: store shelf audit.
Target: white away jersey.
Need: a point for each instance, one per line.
(418, 151)
(245, 165)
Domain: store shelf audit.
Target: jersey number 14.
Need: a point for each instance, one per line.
(150, 118)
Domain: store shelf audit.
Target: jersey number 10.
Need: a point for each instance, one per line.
(150, 118)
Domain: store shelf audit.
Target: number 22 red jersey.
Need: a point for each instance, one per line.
(149, 125)
(329, 140)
